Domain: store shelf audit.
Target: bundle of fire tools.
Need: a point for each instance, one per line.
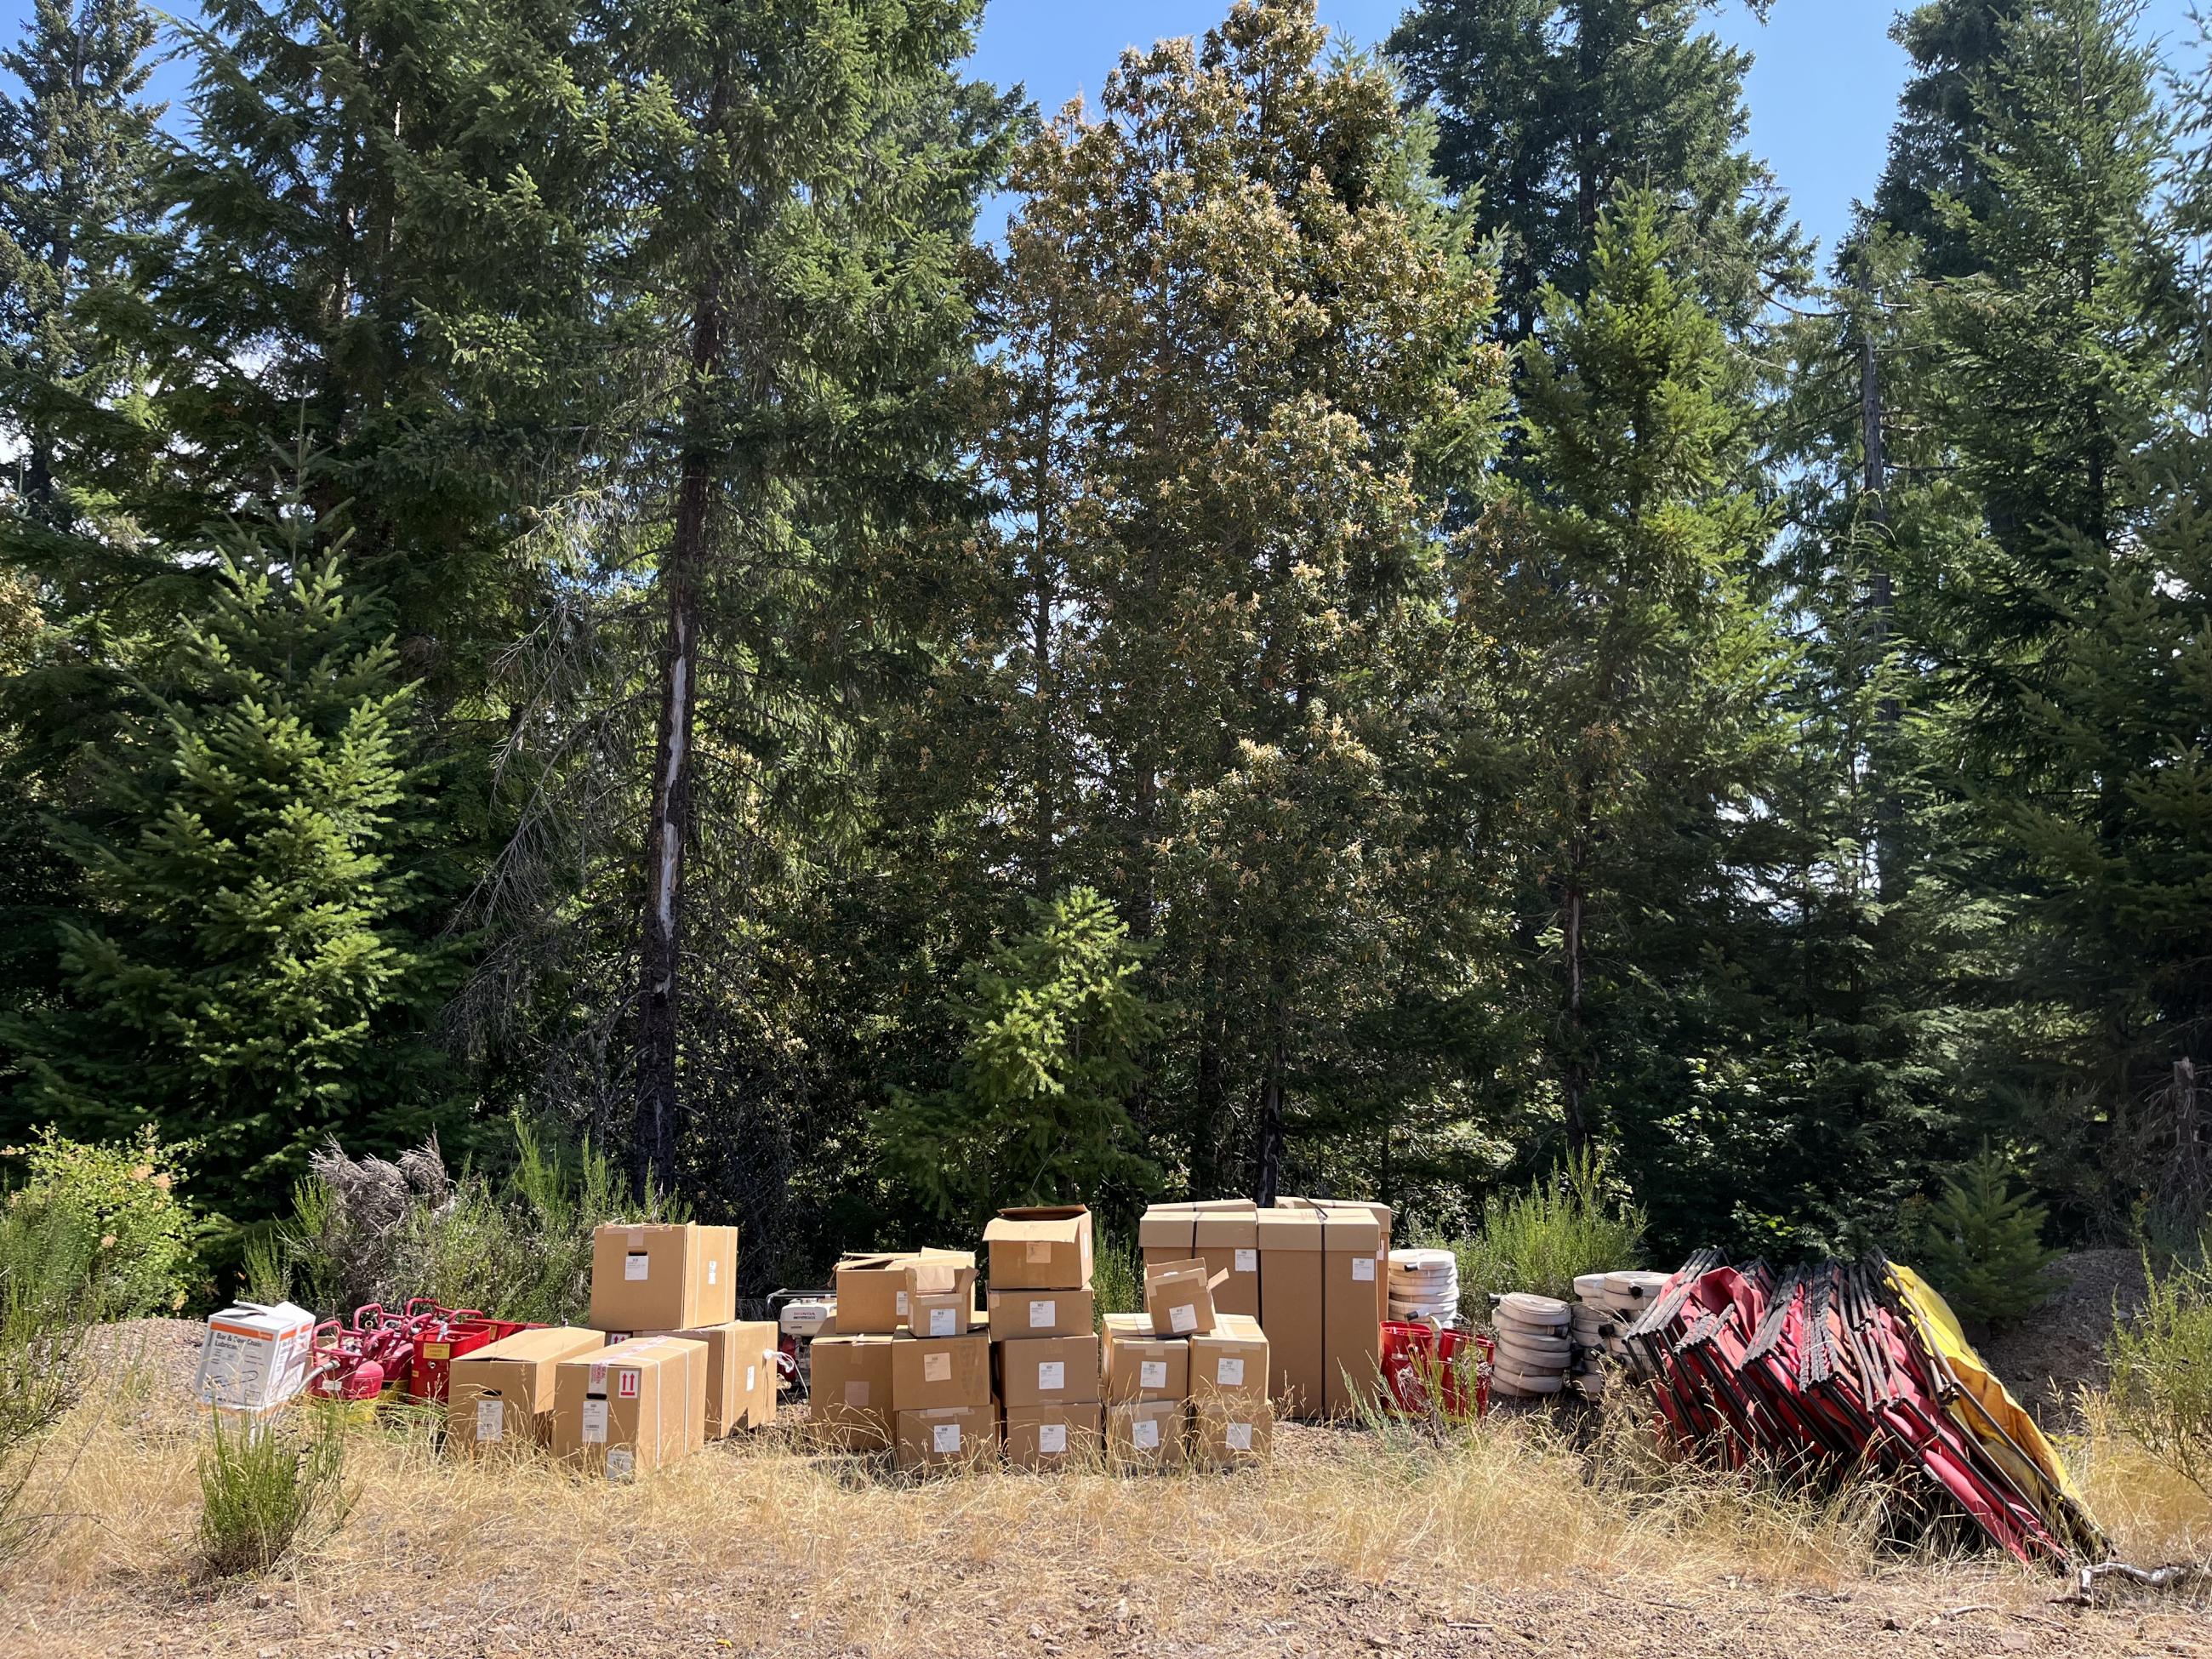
(1840, 1369)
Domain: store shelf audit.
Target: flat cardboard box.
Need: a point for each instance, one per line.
(1052, 1437)
(931, 1373)
(1048, 1370)
(502, 1394)
(1290, 1280)
(1227, 1434)
(1178, 1299)
(851, 1399)
(947, 1436)
(1040, 1313)
(1230, 1362)
(1147, 1434)
(1040, 1248)
(631, 1408)
(1135, 1364)
(873, 1290)
(735, 1361)
(944, 1313)
(663, 1278)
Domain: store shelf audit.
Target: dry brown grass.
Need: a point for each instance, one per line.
(1513, 1505)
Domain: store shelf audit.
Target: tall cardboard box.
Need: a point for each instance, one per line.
(1048, 1370)
(734, 1365)
(1052, 1437)
(502, 1394)
(1040, 1313)
(851, 1401)
(1223, 1232)
(1137, 1365)
(874, 1289)
(1147, 1434)
(1227, 1434)
(631, 1408)
(1291, 1277)
(933, 1373)
(1040, 1248)
(663, 1278)
(1231, 1361)
(947, 1436)
(1355, 1251)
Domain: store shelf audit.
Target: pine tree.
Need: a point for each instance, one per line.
(259, 977)
(813, 176)
(1982, 1244)
(1548, 108)
(1038, 1109)
(1254, 328)
(1645, 668)
(1935, 151)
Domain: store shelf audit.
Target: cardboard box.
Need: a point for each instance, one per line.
(947, 1436)
(1355, 1257)
(1040, 1313)
(254, 1356)
(851, 1398)
(1230, 1362)
(631, 1408)
(1048, 1370)
(1290, 1306)
(1052, 1437)
(662, 1278)
(944, 1313)
(1042, 1247)
(1147, 1434)
(1227, 1434)
(502, 1394)
(763, 1384)
(932, 1373)
(736, 1359)
(1223, 1233)
(873, 1290)
(1135, 1364)
(1177, 1298)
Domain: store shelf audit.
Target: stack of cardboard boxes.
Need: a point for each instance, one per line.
(666, 1365)
(1314, 1272)
(1044, 1346)
(905, 1365)
(1186, 1382)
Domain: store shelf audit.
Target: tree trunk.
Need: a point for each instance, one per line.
(668, 836)
(1268, 1149)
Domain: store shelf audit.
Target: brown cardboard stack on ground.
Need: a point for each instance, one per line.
(851, 1399)
(632, 1407)
(1048, 1386)
(740, 1373)
(659, 1277)
(1044, 1353)
(502, 1394)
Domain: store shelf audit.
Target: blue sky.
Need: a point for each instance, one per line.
(1823, 89)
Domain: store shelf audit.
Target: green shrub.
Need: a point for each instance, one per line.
(366, 1230)
(267, 1489)
(49, 1255)
(1117, 1279)
(2161, 1366)
(1573, 1222)
(1981, 1245)
(124, 1193)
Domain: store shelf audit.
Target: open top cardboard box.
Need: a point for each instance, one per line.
(1179, 1298)
(876, 1289)
(1042, 1247)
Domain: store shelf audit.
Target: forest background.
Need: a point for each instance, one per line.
(1396, 623)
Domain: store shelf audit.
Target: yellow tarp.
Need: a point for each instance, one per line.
(1994, 1419)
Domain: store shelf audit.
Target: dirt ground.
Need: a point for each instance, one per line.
(1350, 1544)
